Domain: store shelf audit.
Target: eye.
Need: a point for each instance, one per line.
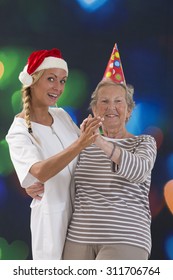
(118, 101)
(104, 101)
(51, 79)
(63, 81)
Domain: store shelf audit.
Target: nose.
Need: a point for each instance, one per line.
(58, 86)
(111, 105)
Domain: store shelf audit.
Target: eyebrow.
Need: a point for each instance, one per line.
(107, 97)
(57, 76)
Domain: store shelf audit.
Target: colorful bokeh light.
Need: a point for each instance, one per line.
(170, 165)
(169, 246)
(6, 166)
(1, 69)
(17, 250)
(87, 33)
(91, 5)
(168, 194)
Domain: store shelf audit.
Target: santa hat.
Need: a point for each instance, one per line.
(114, 70)
(39, 60)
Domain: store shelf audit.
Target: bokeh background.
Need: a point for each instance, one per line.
(86, 31)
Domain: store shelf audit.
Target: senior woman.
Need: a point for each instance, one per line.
(111, 218)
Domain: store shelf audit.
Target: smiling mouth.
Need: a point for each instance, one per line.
(111, 115)
(53, 95)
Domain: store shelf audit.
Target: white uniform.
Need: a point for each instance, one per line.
(50, 216)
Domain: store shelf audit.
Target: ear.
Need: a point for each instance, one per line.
(128, 115)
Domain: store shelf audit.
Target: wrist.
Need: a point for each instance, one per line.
(99, 141)
(113, 150)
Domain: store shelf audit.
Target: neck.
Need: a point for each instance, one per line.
(41, 116)
(119, 134)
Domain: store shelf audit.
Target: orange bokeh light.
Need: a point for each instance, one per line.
(1, 69)
(168, 194)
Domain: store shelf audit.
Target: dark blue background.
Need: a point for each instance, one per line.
(143, 31)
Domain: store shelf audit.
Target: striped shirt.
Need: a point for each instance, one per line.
(111, 203)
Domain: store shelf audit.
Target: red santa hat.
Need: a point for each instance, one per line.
(114, 70)
(39, 60)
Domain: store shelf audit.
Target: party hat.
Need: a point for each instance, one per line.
(114, 70)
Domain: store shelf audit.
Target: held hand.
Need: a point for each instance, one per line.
(84, 123)
(90, 131)
(35, 190)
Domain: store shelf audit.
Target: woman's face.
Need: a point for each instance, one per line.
(50, 86)
(111, 104)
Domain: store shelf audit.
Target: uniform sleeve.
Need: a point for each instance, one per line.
(136, 166)
(24, 154)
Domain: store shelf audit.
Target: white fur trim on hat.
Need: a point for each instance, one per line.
(25, 78)
(53, 62)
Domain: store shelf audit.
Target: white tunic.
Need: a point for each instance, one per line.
(50, 216)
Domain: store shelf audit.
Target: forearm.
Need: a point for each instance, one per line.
(48, 168)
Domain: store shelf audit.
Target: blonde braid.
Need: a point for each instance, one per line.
(26, 105)
(26, 98)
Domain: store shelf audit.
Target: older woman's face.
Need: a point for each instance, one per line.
(111, 104)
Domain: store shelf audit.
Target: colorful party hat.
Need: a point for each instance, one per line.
(114, 70)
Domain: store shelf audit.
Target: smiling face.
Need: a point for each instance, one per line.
(49, 87)
(112, 105)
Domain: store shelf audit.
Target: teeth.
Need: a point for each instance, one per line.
(53, 95)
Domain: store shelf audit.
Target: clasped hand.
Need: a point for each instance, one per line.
(86, 122)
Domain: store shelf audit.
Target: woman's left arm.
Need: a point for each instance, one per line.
(135, 166)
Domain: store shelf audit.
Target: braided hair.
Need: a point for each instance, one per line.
(26, 99)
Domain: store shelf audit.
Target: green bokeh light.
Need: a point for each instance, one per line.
(76, 90)
(17, 250)
(6, 166)
(16, 102)
(10, 61)
(13, 61)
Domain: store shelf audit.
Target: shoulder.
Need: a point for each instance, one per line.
(18, 125)
(59, 112)
(65, 118)
(146, 138)
(17, 132)
(147, 142)
(143, 140)
(20, 115)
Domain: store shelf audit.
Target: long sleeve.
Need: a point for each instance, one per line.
(136, 165)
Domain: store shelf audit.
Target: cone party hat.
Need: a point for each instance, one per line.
(114, 70)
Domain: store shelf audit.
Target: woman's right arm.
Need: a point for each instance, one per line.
(48, 168)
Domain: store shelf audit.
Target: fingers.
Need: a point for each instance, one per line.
(91, 131)
(38, 197)
(93, 124)
(35, 190)
(84, 123)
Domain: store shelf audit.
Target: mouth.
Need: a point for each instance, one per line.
(53, 96)
(111, 116)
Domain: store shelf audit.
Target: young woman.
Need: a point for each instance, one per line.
(44, 144)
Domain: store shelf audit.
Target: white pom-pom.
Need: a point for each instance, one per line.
(25, 78)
